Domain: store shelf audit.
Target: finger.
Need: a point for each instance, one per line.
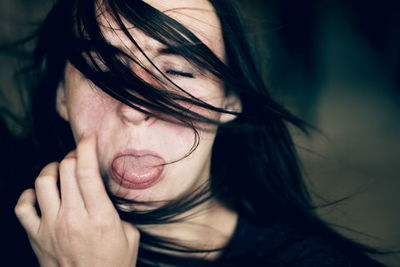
(71, 196)
(47, 193)
(26, 212)
(89, 178)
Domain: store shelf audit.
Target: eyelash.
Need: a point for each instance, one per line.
(180, 73)
(172, 72)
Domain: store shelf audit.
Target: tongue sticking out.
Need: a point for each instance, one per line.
(137, 172)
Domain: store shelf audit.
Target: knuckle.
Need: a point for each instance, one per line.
(52, 165)
(67, 163)
(21, 209)
(71, 154)
(43, 180)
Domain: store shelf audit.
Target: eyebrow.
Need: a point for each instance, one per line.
(174, 50)
(158, 50)
(162, 50)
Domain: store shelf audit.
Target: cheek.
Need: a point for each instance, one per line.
(207, 90)
(86, 121)
(87, 109)
(176, 140)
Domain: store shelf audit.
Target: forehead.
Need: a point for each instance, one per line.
(197, 15)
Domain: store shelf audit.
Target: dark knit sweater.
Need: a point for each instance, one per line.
(285, 244)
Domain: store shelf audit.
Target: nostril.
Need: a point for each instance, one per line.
(133, 116)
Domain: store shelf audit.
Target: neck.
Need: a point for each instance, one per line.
(208, 226)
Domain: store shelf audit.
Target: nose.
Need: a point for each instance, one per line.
(133, 116)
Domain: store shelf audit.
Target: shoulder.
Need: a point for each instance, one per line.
(288, 244)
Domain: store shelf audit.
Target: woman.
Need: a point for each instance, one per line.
(181, 159)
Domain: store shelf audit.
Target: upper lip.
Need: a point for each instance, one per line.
(136, 153)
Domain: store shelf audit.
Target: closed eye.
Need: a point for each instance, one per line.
(179, 73)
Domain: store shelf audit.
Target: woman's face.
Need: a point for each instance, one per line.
(135, 150)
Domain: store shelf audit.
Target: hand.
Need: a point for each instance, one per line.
(79, 225)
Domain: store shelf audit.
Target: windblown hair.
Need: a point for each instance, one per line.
(255, 170)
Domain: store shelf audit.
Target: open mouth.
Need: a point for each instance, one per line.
(137, 169)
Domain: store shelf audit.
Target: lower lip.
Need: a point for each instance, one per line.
(144, 183)
(148, 182)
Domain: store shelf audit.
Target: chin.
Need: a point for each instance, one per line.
(149, 198)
